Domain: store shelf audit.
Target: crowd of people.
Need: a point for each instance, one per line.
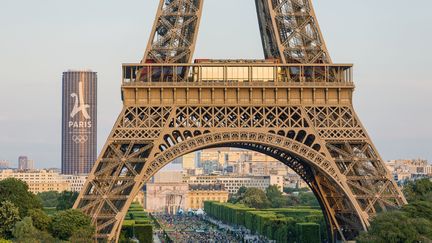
(191, 229)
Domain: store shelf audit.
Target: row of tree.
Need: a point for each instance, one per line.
(23, 218)
(296, 224)
(58, 200)
(272, 197)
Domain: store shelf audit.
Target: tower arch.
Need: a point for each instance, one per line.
(309, 164)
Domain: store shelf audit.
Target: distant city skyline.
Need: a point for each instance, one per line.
(41, 41)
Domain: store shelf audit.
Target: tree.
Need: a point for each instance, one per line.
(66, 223)
(396, 227)
(238, 196)
(273, 192)
(66, 200)
(40, 219)
(49, 199)
(413, 223)
(275, 197)
(242, 190)
(256, 198)
(308, 199)
(419, 209)
(16, 191)
(9, 215)
(25, 232)
(419, 190)
(292, 200)
(82, 235)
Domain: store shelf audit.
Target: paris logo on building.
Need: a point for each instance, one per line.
(79, 105)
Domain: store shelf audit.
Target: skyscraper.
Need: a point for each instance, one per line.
(79, 121)
(22, 162)
(30, 164)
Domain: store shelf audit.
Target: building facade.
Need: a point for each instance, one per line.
(233, 183)
(39, 180)
(79, 121)
(166, 193)
(76, 182)
(198, 194)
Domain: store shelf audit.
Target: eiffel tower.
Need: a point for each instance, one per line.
(295, 106)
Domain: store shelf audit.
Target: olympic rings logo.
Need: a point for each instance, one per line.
(80, 138)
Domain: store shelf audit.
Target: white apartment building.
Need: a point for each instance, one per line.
(38, 180)
(233, 183)
(76, 182)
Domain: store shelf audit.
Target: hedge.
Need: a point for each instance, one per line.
(138, 223)
(144, 233)
(308, 232)
(281, 224)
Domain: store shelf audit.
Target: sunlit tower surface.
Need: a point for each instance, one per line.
(296, 106)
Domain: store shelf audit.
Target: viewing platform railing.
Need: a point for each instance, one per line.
(233, 74)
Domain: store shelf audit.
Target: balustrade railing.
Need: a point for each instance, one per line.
(236, 74)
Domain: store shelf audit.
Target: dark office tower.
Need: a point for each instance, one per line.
(79, 121)
(22, 162)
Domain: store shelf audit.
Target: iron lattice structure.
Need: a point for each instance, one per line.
(297, 110)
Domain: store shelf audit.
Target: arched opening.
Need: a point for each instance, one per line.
(310, 172)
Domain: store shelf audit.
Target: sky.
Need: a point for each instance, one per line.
(389, 42)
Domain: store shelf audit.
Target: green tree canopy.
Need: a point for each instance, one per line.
(25, 232)
(419, 209)
(274, 195)
(413, 223)
(395, 227)
(82, 235)
(238, 196)
(273, 192)
(16, 191)
(256, 198)
(66, 223)
(419, 190)
(9, 215)
(49, 199)
(308, 199)
(40, 219)
(66, 200)
(242, 190)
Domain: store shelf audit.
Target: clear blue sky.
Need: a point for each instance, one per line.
(389, 41)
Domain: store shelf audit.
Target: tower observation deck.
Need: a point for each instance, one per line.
(237, 81)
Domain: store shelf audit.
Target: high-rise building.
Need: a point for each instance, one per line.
(79, 121)
(22, 163)
(30, 164)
